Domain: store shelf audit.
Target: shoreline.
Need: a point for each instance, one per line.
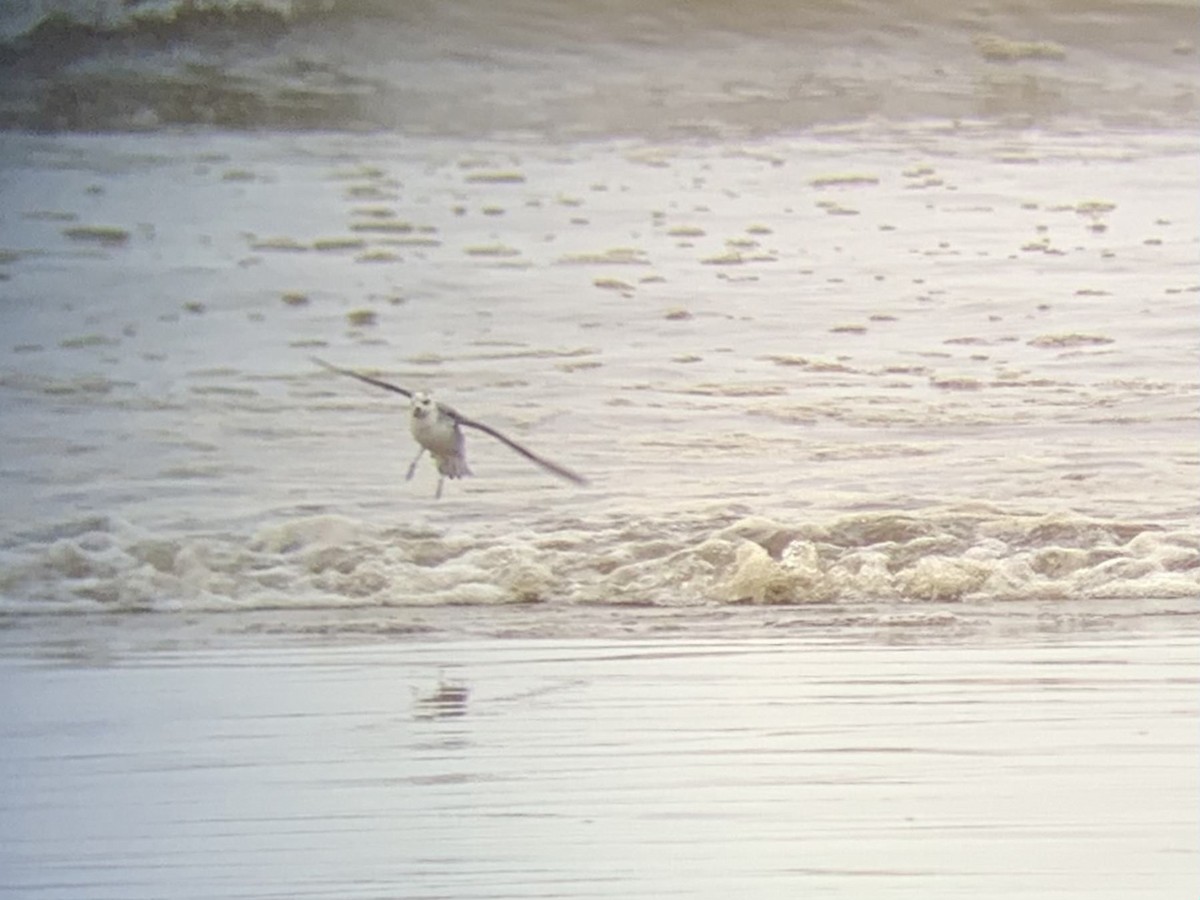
(893, 462)
(115, 635)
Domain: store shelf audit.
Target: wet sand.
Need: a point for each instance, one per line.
(770, 760)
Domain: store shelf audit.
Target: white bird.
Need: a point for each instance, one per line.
(438, 429)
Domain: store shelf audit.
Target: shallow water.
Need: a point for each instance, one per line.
(919, 364)
(766, 756)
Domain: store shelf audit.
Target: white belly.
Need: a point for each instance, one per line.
(439, 435)
(442, 437)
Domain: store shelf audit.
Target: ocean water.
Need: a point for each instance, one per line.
(872, 325)
(955, 364)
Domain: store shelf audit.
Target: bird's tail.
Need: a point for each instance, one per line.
(454, 466)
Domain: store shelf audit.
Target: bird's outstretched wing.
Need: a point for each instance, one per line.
(551, 467)
(387, 386)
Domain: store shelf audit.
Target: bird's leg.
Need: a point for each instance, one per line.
(413, 468)
(441, 481)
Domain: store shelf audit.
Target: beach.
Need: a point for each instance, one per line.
(765, 755)
(872, 328)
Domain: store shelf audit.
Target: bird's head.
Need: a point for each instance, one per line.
(422, 405)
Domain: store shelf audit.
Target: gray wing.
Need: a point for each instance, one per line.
(387, 386)
(552, 467)
(460, 419)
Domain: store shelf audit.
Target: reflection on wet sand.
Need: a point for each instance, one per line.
(1054, 765)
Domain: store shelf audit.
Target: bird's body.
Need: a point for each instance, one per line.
(438, 430)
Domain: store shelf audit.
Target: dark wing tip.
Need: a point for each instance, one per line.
(551, 467)
(367, 379)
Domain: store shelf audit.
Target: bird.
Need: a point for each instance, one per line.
(437, 429)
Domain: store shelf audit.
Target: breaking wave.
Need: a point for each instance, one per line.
(960, 555)
(569, 68)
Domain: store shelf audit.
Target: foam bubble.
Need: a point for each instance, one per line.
(938, 556)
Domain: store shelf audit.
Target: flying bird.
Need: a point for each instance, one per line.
(438, 429)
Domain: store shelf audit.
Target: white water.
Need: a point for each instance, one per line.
(919, 365)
